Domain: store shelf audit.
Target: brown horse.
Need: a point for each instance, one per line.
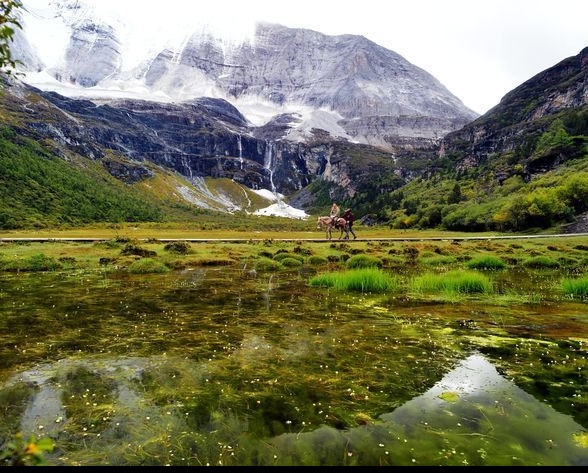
(327, 224)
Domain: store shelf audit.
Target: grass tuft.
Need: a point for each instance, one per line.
(363, 261)
(575, 287)
(454, 282)
(486, 262)
(367, 280)
(147, 266)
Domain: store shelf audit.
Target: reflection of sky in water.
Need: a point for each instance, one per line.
(490, 421)
(45, 411)
(473, 375)
(475, 381)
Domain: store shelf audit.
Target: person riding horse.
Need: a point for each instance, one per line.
(335, 211)
(328, 223)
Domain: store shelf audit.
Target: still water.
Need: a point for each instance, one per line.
(225, 367)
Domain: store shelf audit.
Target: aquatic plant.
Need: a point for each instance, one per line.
(486, 262)
(575, 287)
(367, 280)
(453, 282)
(363, 261)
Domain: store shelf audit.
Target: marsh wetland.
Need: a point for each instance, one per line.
(129, 352)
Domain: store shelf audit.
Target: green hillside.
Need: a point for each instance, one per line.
(497, 194)
(41, 190)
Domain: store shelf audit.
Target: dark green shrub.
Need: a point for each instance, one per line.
(134, 250)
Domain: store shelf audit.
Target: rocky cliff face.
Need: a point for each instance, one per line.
(514, 125)
(200, 138)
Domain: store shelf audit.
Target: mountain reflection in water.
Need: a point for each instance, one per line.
(471, 416)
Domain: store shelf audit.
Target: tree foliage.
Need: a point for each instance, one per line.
(556, 137)
(8, 25)
(39, 190)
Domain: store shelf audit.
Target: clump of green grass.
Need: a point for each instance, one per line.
(437, 260)
(366, 280)
(41, 262)
(316, 260)
(291, 262)
(538, 262)
(147, 266)
(267, 264)
(283, 256)
(567, 262)
(37, 262)
(454, 282)
(486, 262)
(575, 287)
(363, 261)
(394, 262)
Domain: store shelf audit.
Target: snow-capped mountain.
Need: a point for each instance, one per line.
(345, 85)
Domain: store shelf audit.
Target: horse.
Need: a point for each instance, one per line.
(327, 224)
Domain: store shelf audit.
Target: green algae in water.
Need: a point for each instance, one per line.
(449, 396)
(216, 367)
(581, 439)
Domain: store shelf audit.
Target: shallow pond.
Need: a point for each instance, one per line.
(225, 367)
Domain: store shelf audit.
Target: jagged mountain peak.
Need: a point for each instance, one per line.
(276, 70)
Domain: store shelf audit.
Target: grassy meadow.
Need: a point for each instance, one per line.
(420, 261)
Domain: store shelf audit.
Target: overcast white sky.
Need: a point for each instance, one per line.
(480, 50)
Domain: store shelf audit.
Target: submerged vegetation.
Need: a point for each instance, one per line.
(267, 352)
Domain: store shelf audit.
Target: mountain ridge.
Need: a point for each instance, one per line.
(279, 70)
(521, 165)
